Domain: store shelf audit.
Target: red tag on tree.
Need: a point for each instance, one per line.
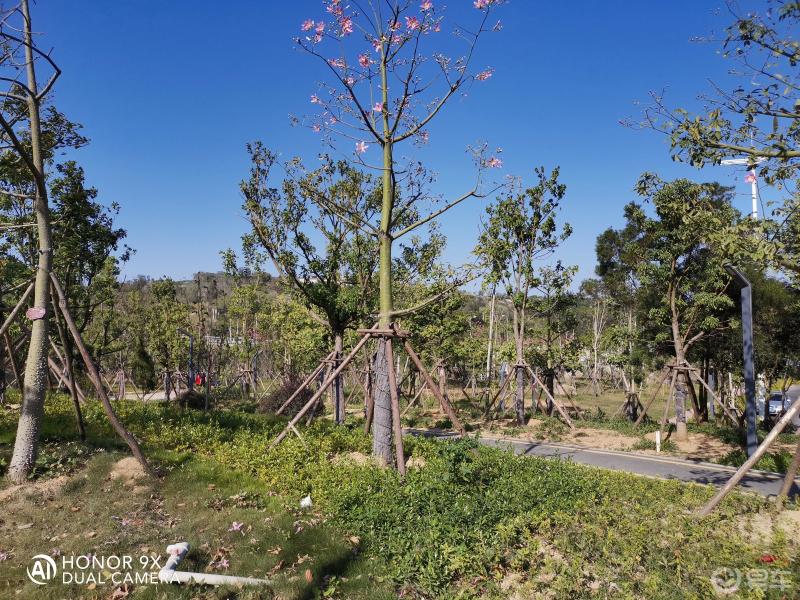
(35, 313)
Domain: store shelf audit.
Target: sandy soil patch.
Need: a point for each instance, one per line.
(45, 487)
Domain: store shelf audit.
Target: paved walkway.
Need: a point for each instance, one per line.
(663, 467)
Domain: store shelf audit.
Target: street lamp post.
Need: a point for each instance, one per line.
(747, 353)
(749, 178)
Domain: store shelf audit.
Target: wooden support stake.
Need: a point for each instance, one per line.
(508, 378)
(750, 463)
(13, 314)
(304, 385)
(93, 373)
(13, 360)
(791, 473)
(433, 387)
(321, 390)
(398, 429)
(652, 398)
(714, 397)
(557, 404)
(414, 399)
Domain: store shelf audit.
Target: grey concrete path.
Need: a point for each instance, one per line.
(662, 467)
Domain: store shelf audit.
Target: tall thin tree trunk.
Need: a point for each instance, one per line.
(337, 389)
(382, 419)
(519, 396)
(490, 346)
(26, 444)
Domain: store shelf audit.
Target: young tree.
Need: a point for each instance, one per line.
(22, 136)
(685, 279)
(335, 277)
(596, 294)
(521, 231)
(386, 90)
(553, 306)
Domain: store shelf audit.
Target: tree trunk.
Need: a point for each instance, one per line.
(549, 381)
(26, 444)
(519, 396)
(382, 412)
(681, 433)
(337, 389)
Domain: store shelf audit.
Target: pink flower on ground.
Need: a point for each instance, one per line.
(361, 147)
(426, 5)
(236, 526)
(378, 108)
(307, 25)
(223, 563)
(4, 556)
(484, 75)
(347, 25)
(412, 23)
(364, 60)
(494, 163)
(315, 99)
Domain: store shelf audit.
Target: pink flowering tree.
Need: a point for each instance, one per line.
(386, 81)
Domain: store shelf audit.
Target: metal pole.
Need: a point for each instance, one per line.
(747, 354)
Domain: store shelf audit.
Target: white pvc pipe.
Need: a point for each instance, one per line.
(176, 553)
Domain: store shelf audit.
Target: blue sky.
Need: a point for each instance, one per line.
(170, 92)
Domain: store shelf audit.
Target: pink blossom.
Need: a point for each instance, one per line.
(318, 38)
(484, 75)
(315, 99)
(412, 23)
(378, 108)
(377, 44)
(750, 177)
(349, 81)
(481, 4)
(361, 147)
(315, 128)
(223, 563)
(320, 27)
(337, 63)
(426, 6)
(307, 25)
(364, 60)
(494, 163)
(346, 25)
(236, 526)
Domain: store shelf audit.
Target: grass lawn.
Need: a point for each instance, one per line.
(467, 522)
